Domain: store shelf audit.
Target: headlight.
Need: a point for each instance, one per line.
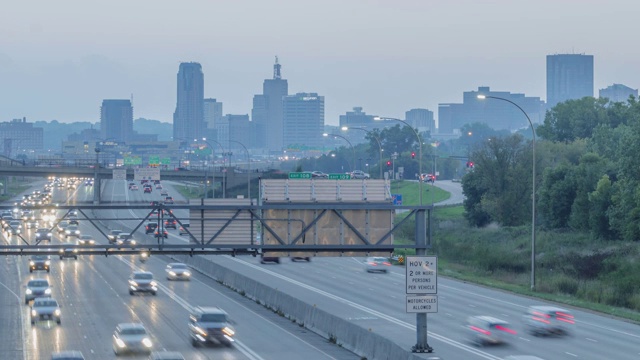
(47, 262)
(75, 250)
(133, 283)
(61, 251)
(31, 263)
(172, 273)
(91, 242)
(120, 343)
(153, 283)
(201, 331)
(48, 291)
(29, 291)
(147, 342)
(34, 313)
(133, 242)
(56, 312)
(228, 331)
(49, 234)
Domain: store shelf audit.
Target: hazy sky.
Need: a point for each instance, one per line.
(60, 59)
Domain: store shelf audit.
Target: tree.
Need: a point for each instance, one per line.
(574, 119)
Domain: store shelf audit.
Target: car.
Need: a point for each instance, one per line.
(170, 224)
(168, 200)
(485, 330)
(45, 308)
(377, 263)
(161, 233)
(32, 224)
(125, 239)
(158, 187)
(359, 174)
(68, 251)
(210, 325)
(150, 227)
(428, 178)
(112, 235)
(131, 338)
(73, 220)
(155, 203)
(548, 320)
(43, 234)
(183, 229)
(178, 271)
(37, 288)
(266, 259)
(142, 282)
(166, 355)
(133, 187)
(67, 355)
(40, 262)
(28, 215)
(72, 230)
(319, 175)
(86, 240)
(14, 228)
(301, 258)
(62, 226)
(148, 189)
(164, 192)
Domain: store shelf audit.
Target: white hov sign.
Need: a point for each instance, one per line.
(422, 274)
(119, 174)
(146, 174)
(422, 303)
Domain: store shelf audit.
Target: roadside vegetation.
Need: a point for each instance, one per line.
(15, 187)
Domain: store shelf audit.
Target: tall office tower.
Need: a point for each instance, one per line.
(267, 110)
(569, 76)
(303, 115)
(116, 120)
(212, 117)
(421, 119)
(618, 93)
(241, 130)
(188, 119)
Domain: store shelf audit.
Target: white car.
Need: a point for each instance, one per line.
(485, 330)
(377, 264)
(131, 338)
(178, 271)
(548, 320)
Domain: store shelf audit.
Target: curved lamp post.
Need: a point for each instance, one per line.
(350, 144)
(224, 163)
(346, 128)
(419, 148)
(533, 193)
(248, 168)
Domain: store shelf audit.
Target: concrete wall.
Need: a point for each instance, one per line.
(352, 337)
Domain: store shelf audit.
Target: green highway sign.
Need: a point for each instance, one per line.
(132, 160)
(339, 176)
(299, 175)
(165, 161)
(154, 160)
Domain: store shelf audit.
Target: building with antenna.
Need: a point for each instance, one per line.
(188, 119)
(116, 120)
(266, 113)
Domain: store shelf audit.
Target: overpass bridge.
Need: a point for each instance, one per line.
(229, 176)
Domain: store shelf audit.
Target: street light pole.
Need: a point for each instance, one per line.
(533, 191)
(224, 173)
(345, 128)
(248, 168)
(352, 148)
(419, 149)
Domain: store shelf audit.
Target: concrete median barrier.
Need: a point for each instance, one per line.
(353, 337)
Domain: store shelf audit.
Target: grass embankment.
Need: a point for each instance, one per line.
(571, 267)
(410, 191)
(15, 187)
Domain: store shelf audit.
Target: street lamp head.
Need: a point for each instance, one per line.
(378, 118)
(482, 97)
(345, 128)
(325, 134)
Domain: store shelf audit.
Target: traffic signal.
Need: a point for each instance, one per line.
(413, 154)
(470, 164)
(389, 163)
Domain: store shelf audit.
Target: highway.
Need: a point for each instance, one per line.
(94, 298)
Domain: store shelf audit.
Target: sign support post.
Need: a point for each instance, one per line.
(421, 345)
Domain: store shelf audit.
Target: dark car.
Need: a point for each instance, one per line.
(113, 235)
(69, 251)
(147, 189)
(43, 234)
(40, 262)
(266, 259)
(183, 229)
(150, 228)
(210, 324)
(161, 233)
(171, 224)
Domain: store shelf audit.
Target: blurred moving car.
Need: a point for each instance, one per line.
(133, 187)
(266, 259)
(113, 235)
(131, 338)
(14, 227)
(69, 251)
(62, 226)
(178, 271)
(166, 355)
(37, 288)
(142, 282)
(485, 330)
(125, 239)
(45, 308)
(86, 240)
(43, 234)
(210, 324)
(301, 258)
(67, 355)
(428, 178)
(71, 231)
(319, 175)
(40, 262)
(161, 233)
(183, 230)
(150, 227)
(170, 224)
(164, 192)
(548, 320)
(377, 263)
(359, 174)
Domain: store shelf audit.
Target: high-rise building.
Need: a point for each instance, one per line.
(569, 76)
(212, 112)
(494, 113)
(303, 115)
(421, 119)
(241, 130)
(188, 119)
(18, 137)
(267, 110)
(618, 93)
(116, 120)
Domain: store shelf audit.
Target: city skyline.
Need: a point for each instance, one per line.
(390, 58)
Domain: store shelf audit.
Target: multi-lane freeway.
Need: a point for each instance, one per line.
(94, 297)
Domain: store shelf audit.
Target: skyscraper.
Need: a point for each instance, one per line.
(569, 76)
(267, 109)
(188, 119)
(212, 118)
(116, 120)
(303, 115)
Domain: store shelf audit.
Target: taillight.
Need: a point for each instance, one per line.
(386, 263)
(568, 318)
(483, 331)
(506, 329)
(373, 264)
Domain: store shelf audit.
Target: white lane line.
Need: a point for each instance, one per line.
(592, 340)
(369, 310)
(568, 353)
(525, 339)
